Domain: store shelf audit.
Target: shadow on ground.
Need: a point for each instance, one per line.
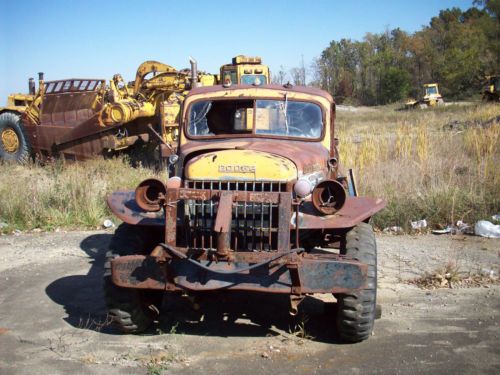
(82, 295)
(223, 314)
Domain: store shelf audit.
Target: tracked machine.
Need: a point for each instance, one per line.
(491, 92)
(431, 98)
(257, 205)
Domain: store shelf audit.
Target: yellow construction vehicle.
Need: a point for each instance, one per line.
(81, 118)
(17, 103)
(431, 97)
(491, 92)
(245, 70)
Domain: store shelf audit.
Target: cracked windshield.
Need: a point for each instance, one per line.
(260, 117)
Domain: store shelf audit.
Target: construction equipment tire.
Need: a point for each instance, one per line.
(14, 144)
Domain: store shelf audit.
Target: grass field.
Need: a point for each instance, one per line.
(62, 196)
(410, 158)
(422, 166)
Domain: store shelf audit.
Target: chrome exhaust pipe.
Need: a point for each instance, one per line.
(194, 72)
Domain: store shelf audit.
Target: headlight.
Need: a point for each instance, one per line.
(303, 187)
(173, 159)
(306, 184)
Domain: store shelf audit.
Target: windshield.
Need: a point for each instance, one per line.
(431, 90)
(253, 79)
(255, 117)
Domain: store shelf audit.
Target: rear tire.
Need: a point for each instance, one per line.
(131, 309)
(356, 312)
(14, 144)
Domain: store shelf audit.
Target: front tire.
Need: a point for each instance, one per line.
(356, 312)
(14, 144)
(131, 309)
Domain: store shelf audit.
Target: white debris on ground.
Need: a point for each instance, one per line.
(487, 229)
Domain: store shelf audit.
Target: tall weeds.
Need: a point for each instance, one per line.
(407, 158)
(65, 196)
(422, 169)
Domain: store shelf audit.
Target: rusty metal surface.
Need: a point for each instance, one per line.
(326, 274)
(222, 226)
(285, 215)
(68, 123)
(328, 197)
(171, 217)
(280, 88)
(355, 210)
(122, 203)
(81, 141)
(307, 156)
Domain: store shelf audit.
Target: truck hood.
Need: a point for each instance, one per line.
(264, 160)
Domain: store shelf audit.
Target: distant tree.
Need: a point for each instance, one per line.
(457, 49)
(299, 74)
(395, 85)
(280, 78)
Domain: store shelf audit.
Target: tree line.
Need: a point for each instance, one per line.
(457, 50)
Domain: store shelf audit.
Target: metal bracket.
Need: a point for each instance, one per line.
(223, 223)
(294, 304)
(295, 276)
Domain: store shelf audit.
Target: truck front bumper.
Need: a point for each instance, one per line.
(294, 274)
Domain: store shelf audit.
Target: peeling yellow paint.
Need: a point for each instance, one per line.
(241, 165)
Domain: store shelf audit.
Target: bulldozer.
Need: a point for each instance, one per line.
(491, 92)
(83, 118)
(431, 98)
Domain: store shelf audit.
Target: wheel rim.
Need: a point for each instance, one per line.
(10, 140)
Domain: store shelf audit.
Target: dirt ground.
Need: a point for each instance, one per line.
(53, 320)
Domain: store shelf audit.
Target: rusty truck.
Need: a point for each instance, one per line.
(257, 204)
(82, 118)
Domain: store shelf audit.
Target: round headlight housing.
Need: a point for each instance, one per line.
(306, 184)
(149, 194)
(303, 187)
(173, 159)
(328, 197)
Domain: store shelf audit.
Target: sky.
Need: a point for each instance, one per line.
(96, 39)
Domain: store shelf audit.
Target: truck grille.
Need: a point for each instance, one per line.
(254, 226)
(259, 186)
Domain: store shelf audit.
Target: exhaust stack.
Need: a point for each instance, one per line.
(31, 86)
(194, 72)
(40, 81)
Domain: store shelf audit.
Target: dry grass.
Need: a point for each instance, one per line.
(450, 276)
(422, 170)
(62, 196)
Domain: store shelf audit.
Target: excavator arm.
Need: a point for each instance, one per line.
(150, 67)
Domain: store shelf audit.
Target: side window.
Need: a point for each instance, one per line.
(84, 85)
(58, 86)
(67, 85)
(92, 85)
(50, 87)
(229, 75)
